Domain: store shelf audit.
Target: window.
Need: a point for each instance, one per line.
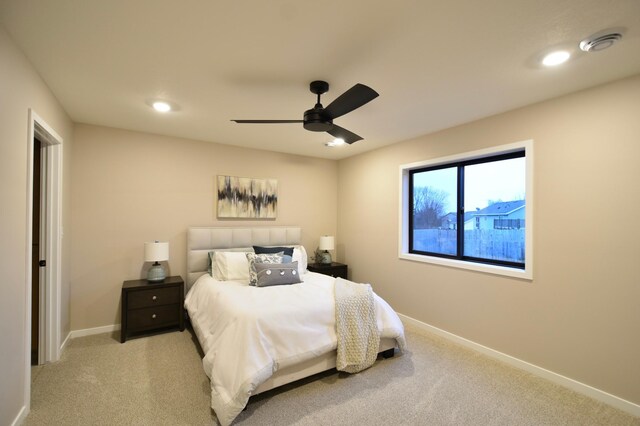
(470, 210)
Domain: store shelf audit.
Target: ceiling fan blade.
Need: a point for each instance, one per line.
(344, 134)
(353, 98)
(268, 121)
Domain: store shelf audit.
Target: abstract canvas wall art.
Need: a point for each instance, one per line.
(247, 198)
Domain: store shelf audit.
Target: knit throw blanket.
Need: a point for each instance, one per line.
(356, 326)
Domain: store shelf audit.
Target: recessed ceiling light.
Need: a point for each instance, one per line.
(335, 142)
(556, 58)
(161, 106)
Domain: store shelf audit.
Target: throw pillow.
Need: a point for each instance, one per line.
(260, 258)
(277, 274)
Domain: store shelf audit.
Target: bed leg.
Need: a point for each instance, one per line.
(388, 353)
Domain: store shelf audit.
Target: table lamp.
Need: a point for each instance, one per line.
(326, 244)
(156, 252)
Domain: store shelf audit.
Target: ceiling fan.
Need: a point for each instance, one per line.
(320, 119)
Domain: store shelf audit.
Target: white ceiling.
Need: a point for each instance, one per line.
(436, 64)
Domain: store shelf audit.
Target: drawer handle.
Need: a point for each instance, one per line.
(153, 316)
(154, 297)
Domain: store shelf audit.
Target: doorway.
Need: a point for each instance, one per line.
(44, 239)
(35, 251)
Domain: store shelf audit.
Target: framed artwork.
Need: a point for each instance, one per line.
(247, 198)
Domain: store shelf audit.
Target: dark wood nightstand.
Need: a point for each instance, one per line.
(148, 307)
(333, 269)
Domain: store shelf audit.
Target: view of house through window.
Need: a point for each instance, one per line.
(470, 210)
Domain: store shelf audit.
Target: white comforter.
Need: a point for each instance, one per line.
(247, 333)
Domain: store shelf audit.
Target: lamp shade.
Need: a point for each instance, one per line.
(326, 243)
(156, 252)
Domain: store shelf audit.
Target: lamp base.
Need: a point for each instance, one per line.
(156, 273)
(325, 258)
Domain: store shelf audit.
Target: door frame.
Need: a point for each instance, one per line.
(51, 217)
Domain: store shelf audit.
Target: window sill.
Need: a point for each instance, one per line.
(524, 274)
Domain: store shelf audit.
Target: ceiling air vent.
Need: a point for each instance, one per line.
(595, 44)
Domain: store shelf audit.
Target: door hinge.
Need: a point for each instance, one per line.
(42, 263)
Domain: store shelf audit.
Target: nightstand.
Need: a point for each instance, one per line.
(333, 269)
(149, 307)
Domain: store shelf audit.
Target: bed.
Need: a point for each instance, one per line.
(250, 345)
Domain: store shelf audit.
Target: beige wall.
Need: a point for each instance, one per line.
(131, 187)
(20, 89)
(580, 316)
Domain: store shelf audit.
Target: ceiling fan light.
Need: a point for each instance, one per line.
(335, 142)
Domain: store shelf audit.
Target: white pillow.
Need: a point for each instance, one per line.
(231, 266)
(300, 256)
(211, 259)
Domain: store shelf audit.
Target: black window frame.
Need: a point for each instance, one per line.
(460, 165)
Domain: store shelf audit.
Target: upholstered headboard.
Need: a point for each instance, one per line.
(200, 240)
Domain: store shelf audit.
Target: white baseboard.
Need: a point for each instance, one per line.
(64, 344)
(602, 396)
(91, 331)
(21, 417)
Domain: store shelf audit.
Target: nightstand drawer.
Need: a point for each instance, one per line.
(154, 297)
(156, 316)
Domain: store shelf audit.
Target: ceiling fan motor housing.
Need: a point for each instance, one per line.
(315, 121)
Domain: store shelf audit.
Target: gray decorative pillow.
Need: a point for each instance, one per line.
(277, 274)
(260, 258)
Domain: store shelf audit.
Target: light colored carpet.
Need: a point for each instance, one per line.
(159, 380)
